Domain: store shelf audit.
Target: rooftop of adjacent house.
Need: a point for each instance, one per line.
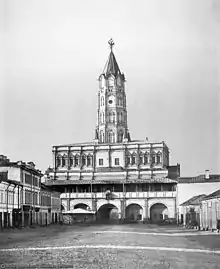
(215, 194)
(4, 178)
(195, 200)
(200, 179)
(29, 166)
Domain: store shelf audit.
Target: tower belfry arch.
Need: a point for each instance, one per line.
(112, 126)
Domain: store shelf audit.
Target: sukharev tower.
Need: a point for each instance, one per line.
(114, 175)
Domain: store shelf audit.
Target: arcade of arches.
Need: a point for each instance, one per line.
(158, 212)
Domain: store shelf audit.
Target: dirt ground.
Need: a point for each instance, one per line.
(109, 246)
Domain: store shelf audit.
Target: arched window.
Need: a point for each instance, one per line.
(102, 137)
(64, 160)
(133, 158)
(128, 159)
(118, 116)
(146, 158)
(113, 115)
(120, 101)
(83, 160)
(89, 160)
(58, 161)
(158, 157)
(71, 160)
(109, 136)
(153, 156)
(113, 137)
(102, 101)
(76, 160)
(141, 158)
(110, 116)
(120, 136)
(100, 117)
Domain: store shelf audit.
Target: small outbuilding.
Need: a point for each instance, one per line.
(191, 211)
(78, 215)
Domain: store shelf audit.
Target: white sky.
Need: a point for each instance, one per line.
(53, 52)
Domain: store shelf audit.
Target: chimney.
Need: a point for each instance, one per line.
(206, 174)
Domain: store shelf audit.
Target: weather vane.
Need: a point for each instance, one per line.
(111, 43)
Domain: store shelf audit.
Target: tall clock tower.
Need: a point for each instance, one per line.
(112, 113)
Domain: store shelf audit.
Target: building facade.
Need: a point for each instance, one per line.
(115, 176)
(189, 187)
(21, 196)
(191, 211)
(50, 206)
(23, 185)
(210, 211)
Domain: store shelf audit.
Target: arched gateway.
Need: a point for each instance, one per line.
(158, 212)
(134, 212)
(107, 212)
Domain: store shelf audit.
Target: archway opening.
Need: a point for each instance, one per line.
(158, 213)
(82, 206)
(134, 212)
(107, 212)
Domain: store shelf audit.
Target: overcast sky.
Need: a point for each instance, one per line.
(54, 52)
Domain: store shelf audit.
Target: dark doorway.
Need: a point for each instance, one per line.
(107, 212)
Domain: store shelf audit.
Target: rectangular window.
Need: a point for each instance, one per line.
(28, 179)
(128, 161)
(100, 161)
(141, 160)
(83, 161)
(116, 161)
(153, 159)
(89, 161)
(76, 161)
(146, 161)
(133, 160)
(158, 159)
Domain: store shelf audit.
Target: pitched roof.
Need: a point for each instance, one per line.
(195, 200)
(215, 194)
(199, 179)
(111, 67)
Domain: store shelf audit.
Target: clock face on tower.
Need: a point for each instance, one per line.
(111, 100)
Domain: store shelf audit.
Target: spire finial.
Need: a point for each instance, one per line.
(111, 43)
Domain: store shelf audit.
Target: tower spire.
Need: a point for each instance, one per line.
(112, 112)
(111, 43)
